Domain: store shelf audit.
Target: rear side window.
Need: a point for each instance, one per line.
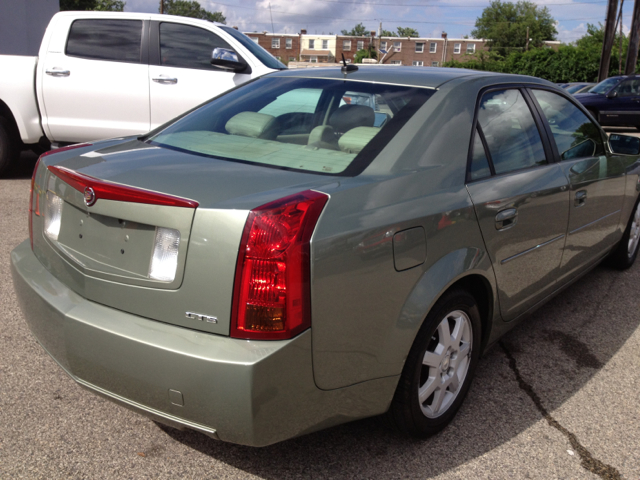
(576, 136)
(510, 132)
(188, 47)
(112, 40)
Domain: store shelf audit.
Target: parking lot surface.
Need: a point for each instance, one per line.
(558, 397)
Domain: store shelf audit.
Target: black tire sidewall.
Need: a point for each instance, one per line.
(455, 300)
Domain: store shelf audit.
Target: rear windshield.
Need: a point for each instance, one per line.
(330, 127)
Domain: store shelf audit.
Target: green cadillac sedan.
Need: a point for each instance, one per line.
(318, 246)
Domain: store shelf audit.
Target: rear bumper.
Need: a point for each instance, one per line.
(247, 392)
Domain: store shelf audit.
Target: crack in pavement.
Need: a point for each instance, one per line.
(586, 459)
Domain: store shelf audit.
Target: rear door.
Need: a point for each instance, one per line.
(596, 179)
(180, 72)
(96, 85)
(521, 199)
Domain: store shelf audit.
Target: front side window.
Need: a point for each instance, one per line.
(575, 135)
(333, 127)
(397, 46)
(419, 47)
(312, 44)
(187, 47)
(432, 47)
(628, 88)
(289, 43)
(346, 45)
(260, 53)
(456, 47)
(510, 132)
(111, 40)
(275, 43)
(471, 48)
(325, 44)
(605, 85)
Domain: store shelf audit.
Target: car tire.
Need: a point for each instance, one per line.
(626, 252)
(8, 148)
(439, 368)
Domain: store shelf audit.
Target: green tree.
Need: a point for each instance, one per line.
(364, 53)
(505, 24)
(358, 31)
(407, 32)
(110, 5)
(187, 8)
(387, 33)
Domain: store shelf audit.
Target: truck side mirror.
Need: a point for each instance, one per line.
(227, 59)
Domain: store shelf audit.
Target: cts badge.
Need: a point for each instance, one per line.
(202, 318)
(89, 196)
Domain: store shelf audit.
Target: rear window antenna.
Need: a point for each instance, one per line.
(347, 68)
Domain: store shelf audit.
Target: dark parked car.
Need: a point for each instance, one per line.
(578, 87)
(615, 101)
(275, 262)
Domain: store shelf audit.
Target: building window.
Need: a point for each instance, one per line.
(313, 59)
(275, 43)
(346, 45)
(312, 45)
(456, 48)
(471, 48)
(383, 46)
(419, 47)
(360, 45)
(432, 47)
(397, 46)
(255, 39)
(418, 63)
(279, 57)
(434, 64)
(396, 62)
(325, 44)
(288, 43)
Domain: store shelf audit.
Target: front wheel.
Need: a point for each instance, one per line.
(439, 368)
(624, 255)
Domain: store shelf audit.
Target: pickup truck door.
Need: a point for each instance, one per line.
(97, 85)
(180, 72)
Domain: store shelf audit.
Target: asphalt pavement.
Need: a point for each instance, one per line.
(557, 398)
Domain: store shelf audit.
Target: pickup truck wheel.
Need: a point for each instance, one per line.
(8, 149)
(438, 370)
(625, 254)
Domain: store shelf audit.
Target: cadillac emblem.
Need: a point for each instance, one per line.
(89, 196)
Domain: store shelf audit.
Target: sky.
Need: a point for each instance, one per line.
(429, 17)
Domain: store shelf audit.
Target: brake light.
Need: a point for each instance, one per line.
(271, 295)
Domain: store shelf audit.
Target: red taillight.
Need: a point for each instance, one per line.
(113, 191)
(34, 200)
(271, 295)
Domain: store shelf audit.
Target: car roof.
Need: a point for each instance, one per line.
(430, 77)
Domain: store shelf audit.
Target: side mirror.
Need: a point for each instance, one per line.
(624, 144)
(227, 59)
(612, 94)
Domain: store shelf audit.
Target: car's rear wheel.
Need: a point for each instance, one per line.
(439, 368)
(625, 254)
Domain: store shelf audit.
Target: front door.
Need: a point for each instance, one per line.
(183, 76)
(520, 198)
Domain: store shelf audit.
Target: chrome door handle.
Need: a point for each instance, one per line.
(581, 197)
(165, 80)
(57, 72)
(506, 219)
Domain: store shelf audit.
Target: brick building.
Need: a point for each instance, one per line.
(429, 52)
(351, 45)
(284, 46)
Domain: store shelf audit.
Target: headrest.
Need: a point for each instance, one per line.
(252, 124)
(323, 136)
(355, 139)
(351, 116)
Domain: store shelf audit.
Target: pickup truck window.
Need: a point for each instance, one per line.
(187, 47)
(265, 57)
(112, 40)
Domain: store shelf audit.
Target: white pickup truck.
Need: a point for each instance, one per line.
(101, 75)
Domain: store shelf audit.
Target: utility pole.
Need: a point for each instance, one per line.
(620, 47)
(609, 38)
(526, 48)
(634, 39)
(161, 6)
